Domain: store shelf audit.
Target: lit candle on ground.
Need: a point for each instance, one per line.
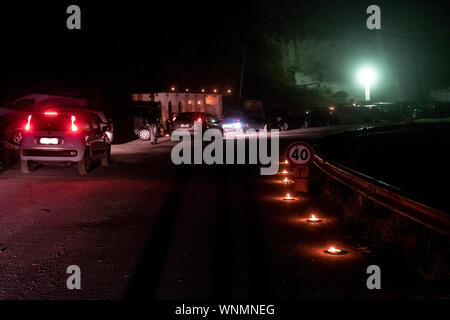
(334, 251)
(284, 172)
(313, 219)
(288, 197)
(286, 180)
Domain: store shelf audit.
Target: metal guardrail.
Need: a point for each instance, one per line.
(386, 196)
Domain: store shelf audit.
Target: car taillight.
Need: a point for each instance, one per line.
(74, 126)
(28, 125)
(51, 113)
(200, 119)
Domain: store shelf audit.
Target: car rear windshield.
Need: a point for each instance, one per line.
(42, 122)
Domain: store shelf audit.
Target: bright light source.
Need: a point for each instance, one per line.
(313, 219)
(74, 126)
(284, 172)
(332, 108)
(215, 90)
(367, 76)
(229, 91)
(203, 90)
(51, 113)
(288, 197)
(286, 180)
(28, 125)
(173, 88)
(335, 251)
(187, 90)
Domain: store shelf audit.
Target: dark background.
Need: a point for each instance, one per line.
(131, 46)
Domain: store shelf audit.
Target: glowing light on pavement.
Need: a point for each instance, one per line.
(313, 219)
(334, 251)
(288, 197)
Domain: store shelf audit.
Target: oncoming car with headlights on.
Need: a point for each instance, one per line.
(58, 137)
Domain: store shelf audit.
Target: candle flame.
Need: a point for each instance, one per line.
(313, 218)
(288, 197)
(284, 172)
(333, 250)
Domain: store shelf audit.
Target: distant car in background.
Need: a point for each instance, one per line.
(186, 120)
(241, 121)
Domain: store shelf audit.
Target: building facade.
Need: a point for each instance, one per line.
(173, 103)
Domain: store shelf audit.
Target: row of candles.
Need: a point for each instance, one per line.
(313, 219)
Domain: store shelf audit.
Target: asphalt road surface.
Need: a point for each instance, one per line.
(148, 229)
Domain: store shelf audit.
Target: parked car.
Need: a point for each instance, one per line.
(186, 120)
(106, 124)
(240, 121)
(133, 120)
(13, 113)
(64, 137)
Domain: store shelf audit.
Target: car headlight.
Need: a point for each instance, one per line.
(234, 125)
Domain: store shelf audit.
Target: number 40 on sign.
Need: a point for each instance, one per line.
(300, 155)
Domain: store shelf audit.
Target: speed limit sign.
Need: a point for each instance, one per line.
(300, 154)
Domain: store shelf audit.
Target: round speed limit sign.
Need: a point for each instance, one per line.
(300, 154)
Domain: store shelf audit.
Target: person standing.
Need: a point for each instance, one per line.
(152, 121)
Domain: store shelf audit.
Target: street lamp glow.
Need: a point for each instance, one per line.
(367, 76)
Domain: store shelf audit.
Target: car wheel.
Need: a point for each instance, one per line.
(16, 138)
(84, 166)
(106, 160)
(25, 166)
(144, 134)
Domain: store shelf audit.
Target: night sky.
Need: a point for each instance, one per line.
(144, 46)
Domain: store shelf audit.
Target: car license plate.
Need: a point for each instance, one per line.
(48, 141)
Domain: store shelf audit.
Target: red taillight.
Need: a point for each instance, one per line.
(74, 126)
(28, 125)
(200, 119)
(51, 113)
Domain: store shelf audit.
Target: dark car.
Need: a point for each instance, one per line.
(186, 120)
(239, 121)
(132, 120)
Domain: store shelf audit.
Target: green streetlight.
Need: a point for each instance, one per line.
(367, 76)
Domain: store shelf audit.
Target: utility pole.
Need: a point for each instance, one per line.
(242, 74)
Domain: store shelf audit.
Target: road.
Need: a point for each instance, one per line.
(145, 228)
